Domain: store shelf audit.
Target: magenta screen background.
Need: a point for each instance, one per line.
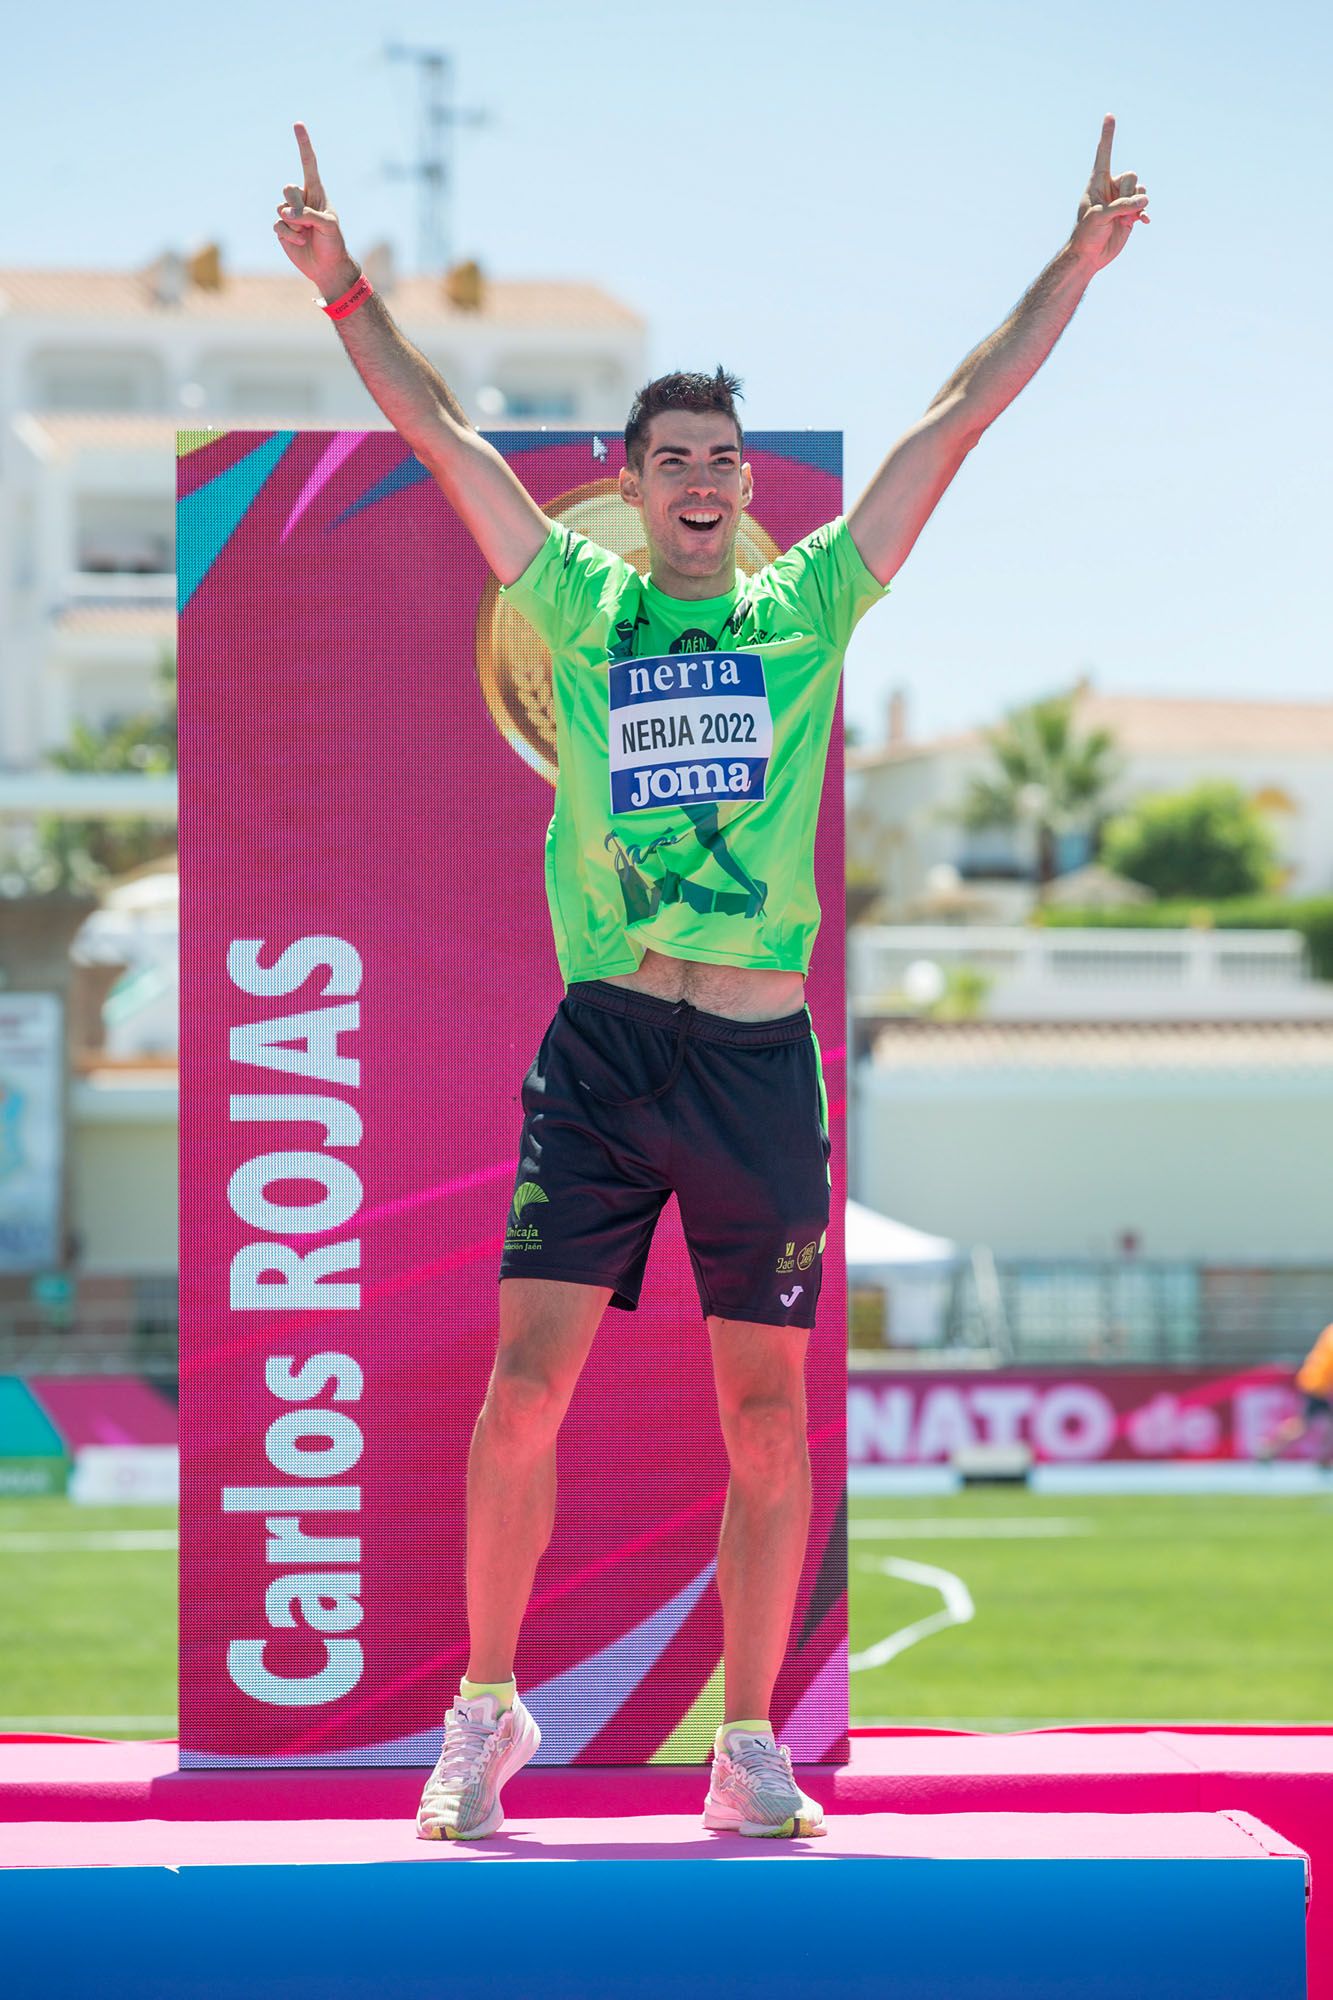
(341, 775)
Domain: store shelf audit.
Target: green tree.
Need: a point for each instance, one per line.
(82, 854)
(1046, 775)
(966, 990)
(1208, 841)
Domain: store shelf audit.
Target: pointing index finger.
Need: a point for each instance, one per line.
(314, 190)
(1102, 163)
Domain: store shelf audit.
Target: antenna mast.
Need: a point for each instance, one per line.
(433, 168)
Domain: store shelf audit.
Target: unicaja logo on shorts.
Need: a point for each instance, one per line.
(521, 1235)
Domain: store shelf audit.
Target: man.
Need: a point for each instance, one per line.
(1314, 1379)
(694, 708)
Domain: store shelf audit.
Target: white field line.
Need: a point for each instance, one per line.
(884, 1482)
(1001, 1529)
(958, 1610)
(37, 1723)
(103, 1538)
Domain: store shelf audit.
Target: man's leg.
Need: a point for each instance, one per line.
(760, 1376)
(546, 1331)
(1324, 1424)
(1290, 1431)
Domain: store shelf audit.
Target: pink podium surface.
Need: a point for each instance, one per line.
(1043, 1796)
(974, 1836)
(935, 1771)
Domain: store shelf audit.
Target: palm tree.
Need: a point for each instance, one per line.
(1046, 776)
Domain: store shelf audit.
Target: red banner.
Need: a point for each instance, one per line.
(1070, 1417)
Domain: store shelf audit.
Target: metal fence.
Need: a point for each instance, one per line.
(136, 1334)
(1115, 1313)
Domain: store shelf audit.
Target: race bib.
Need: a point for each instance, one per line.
(688, 726)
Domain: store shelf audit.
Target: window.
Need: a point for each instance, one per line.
(124, 536)
(276, 396)
(540, 403)
(1073, 850)
(104, 382)
(996, 853)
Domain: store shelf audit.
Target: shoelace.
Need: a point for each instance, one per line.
(467, 1744)
(759, 1759)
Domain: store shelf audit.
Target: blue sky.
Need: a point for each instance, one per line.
(839, 202)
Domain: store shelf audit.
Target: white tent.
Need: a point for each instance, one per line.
(875, 1242)
(913, 1273)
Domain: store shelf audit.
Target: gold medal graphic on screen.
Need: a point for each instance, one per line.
(513, 665)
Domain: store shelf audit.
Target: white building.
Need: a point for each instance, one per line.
(99, 368)
(902, 795)
(1057, 1140)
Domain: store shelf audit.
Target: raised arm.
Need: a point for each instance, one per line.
(494, 505)
(905, 492)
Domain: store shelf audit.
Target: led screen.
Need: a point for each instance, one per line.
(367, 771)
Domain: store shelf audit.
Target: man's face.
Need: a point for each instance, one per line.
(691, 491)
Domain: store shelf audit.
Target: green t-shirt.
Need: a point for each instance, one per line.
(691, 737)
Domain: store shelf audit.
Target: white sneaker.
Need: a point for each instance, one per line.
(752, 1791)
(481, 1749)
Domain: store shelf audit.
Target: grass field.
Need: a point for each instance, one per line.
(1097, 1608)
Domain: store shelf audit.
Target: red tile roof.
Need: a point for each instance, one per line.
(285, 296)
(118, 621)
(1160, 725)
(977, 1046)
(1166, 723)
(87, 431)
(869, 756)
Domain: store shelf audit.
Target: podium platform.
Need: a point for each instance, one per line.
(977, 1867)
(1193, 1906)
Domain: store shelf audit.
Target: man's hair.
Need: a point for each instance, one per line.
(680, 392)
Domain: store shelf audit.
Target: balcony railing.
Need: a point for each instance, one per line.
(113, 586)
(1050, 973)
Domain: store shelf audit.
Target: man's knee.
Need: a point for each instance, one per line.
(546, 1330)
(524, 1404)
(765, 1437)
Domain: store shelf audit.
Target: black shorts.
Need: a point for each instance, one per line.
(632, 1099)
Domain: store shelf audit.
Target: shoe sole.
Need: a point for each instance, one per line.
(799, 1827)
(520, 1752)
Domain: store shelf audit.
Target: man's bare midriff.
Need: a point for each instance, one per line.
(740, 992)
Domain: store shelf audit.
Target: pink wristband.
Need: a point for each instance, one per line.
(350, 300)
